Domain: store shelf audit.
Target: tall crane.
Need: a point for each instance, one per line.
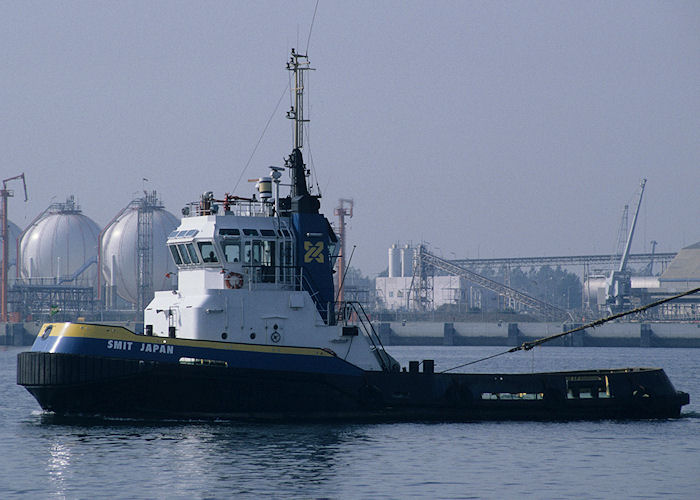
(620, 281)
(5, 194)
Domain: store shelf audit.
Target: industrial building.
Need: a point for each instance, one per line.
(418, 281)
(399, 291)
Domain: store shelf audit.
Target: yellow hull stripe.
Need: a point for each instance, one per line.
(106, 332)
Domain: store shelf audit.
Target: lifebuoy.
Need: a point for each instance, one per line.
(233, 280)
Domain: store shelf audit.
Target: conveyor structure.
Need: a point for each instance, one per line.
(546, 310)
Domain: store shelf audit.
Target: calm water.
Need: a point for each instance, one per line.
(43, 458)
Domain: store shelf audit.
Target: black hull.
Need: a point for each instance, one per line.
(70, 384)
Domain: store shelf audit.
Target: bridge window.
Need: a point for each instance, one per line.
(183, 253)
(268, 261)
(193, 253)
(229, 232)
(250, 232)
(175, 254)
(267, 232)
(268, 253)
(206, 248)
(232, 250)
(257, 251)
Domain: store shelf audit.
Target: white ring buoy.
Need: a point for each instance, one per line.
(233, 280)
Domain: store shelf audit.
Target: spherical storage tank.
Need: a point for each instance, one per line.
(62, 245)
(120, 250)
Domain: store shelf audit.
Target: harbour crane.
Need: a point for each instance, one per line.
(619, 284)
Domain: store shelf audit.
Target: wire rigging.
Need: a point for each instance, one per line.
(287, 87)
(261, 136)
(308, 40)
(308, 137)
(526, 346)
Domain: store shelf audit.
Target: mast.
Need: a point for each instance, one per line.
(301, 199)
(314, 236)
(298, 64)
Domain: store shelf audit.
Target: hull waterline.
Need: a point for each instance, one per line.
(70, 384)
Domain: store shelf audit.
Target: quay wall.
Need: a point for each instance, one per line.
(645, 334)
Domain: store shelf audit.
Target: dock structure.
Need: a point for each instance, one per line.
(633, 334)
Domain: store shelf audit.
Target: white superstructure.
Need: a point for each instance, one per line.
(238, 282)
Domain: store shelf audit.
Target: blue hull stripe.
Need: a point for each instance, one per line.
(172, 351)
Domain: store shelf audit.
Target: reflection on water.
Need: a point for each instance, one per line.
(219, 458)
(58, 465)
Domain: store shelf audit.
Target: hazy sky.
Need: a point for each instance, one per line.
(491, 129)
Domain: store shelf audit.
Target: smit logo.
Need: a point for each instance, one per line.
(313, 252)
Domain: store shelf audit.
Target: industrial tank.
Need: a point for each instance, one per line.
(13, 235)
(595, 287)
(120, 248)
(394, 262)
(60, 247)
(407, 253)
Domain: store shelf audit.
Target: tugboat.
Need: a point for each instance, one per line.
(254, 331)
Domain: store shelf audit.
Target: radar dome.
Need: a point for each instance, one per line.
(120, 248)
(60, 246)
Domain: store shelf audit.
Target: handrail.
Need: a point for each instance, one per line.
(374, 338)
(308, 281)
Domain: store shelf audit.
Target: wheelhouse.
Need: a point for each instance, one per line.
(262, 248)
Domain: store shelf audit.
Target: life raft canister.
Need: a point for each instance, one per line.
(233, 280)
